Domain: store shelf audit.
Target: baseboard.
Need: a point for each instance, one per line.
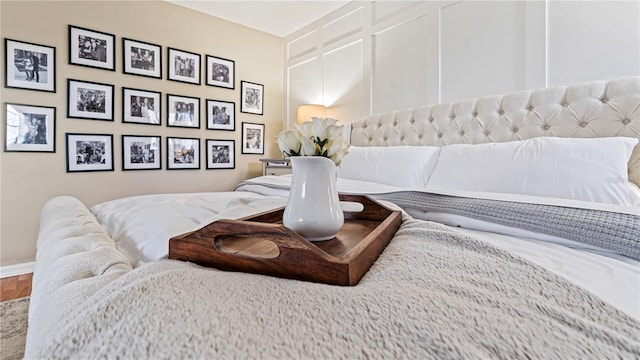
(17, 269)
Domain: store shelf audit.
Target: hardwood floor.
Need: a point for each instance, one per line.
(15, 287)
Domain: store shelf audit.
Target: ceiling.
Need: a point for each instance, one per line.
(279, 18)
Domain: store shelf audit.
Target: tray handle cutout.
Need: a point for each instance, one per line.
(351, 206)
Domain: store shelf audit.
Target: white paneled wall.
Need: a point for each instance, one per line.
(305, 86)
(400, 66)
(343, 74)
(371, 57)
(601, 41)
(482, 42)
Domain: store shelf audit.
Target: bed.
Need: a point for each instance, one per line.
(520, 239)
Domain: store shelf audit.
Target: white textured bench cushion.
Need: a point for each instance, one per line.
(75, 257)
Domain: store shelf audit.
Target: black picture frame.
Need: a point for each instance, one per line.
(251, 98)
(221, 115)
(89, 100)
(183, 153)
(183, 111)
(23, 70)
(29, 128)
(89, 152)
(252, 138)
(220, 72)
(141, 106)
(184, 66)
(221, 154)
(92, 48)
(141, 152)
(141, 58)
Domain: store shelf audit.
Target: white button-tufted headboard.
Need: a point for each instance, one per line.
(594, 109)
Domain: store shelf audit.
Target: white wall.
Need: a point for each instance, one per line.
(371, 57)
(601, 40)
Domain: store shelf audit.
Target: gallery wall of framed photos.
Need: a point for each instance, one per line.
(122, 104)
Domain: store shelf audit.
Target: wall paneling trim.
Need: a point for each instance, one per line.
(400, 54)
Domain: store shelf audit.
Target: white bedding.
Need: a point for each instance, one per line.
(364, 187)
(615, 279)
(151, 221)
(142, 225)
(432, 293)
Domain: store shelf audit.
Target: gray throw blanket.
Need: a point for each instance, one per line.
(433, 293)
(608, 230)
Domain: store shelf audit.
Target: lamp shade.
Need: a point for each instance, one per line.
(307, 111)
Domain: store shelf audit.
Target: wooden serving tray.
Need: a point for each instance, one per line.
(261, 244)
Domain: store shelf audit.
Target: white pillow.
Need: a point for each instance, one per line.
(568, 168)
(634, 194)
(402, 166)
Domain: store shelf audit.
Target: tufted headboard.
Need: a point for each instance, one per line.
(594, 109)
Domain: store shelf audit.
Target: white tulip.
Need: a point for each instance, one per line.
(289, 142)
(337, 157)
(319, 129)
(338, 149)
(334, 146)
(308, 147)
(305, 129)
(328, 122)
(308, 137)
(334, 131)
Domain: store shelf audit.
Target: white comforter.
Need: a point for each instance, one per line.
(433, 293)
(151, 221)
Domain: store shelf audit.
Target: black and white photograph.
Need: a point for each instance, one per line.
(88, 100)
(91, 48)
(141, 152)
(251, 98)
(141, 58)
(183, 66)
(221, 72)
(141, 106)
(183, 111)
(183, 153)
(252, 138)
(30, 128)
(221, 154)
(221, 115)
(89, 152)
(29, 66)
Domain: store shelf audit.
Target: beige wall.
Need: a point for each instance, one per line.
(28, 180)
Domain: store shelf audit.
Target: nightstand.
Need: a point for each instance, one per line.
(276, 166)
